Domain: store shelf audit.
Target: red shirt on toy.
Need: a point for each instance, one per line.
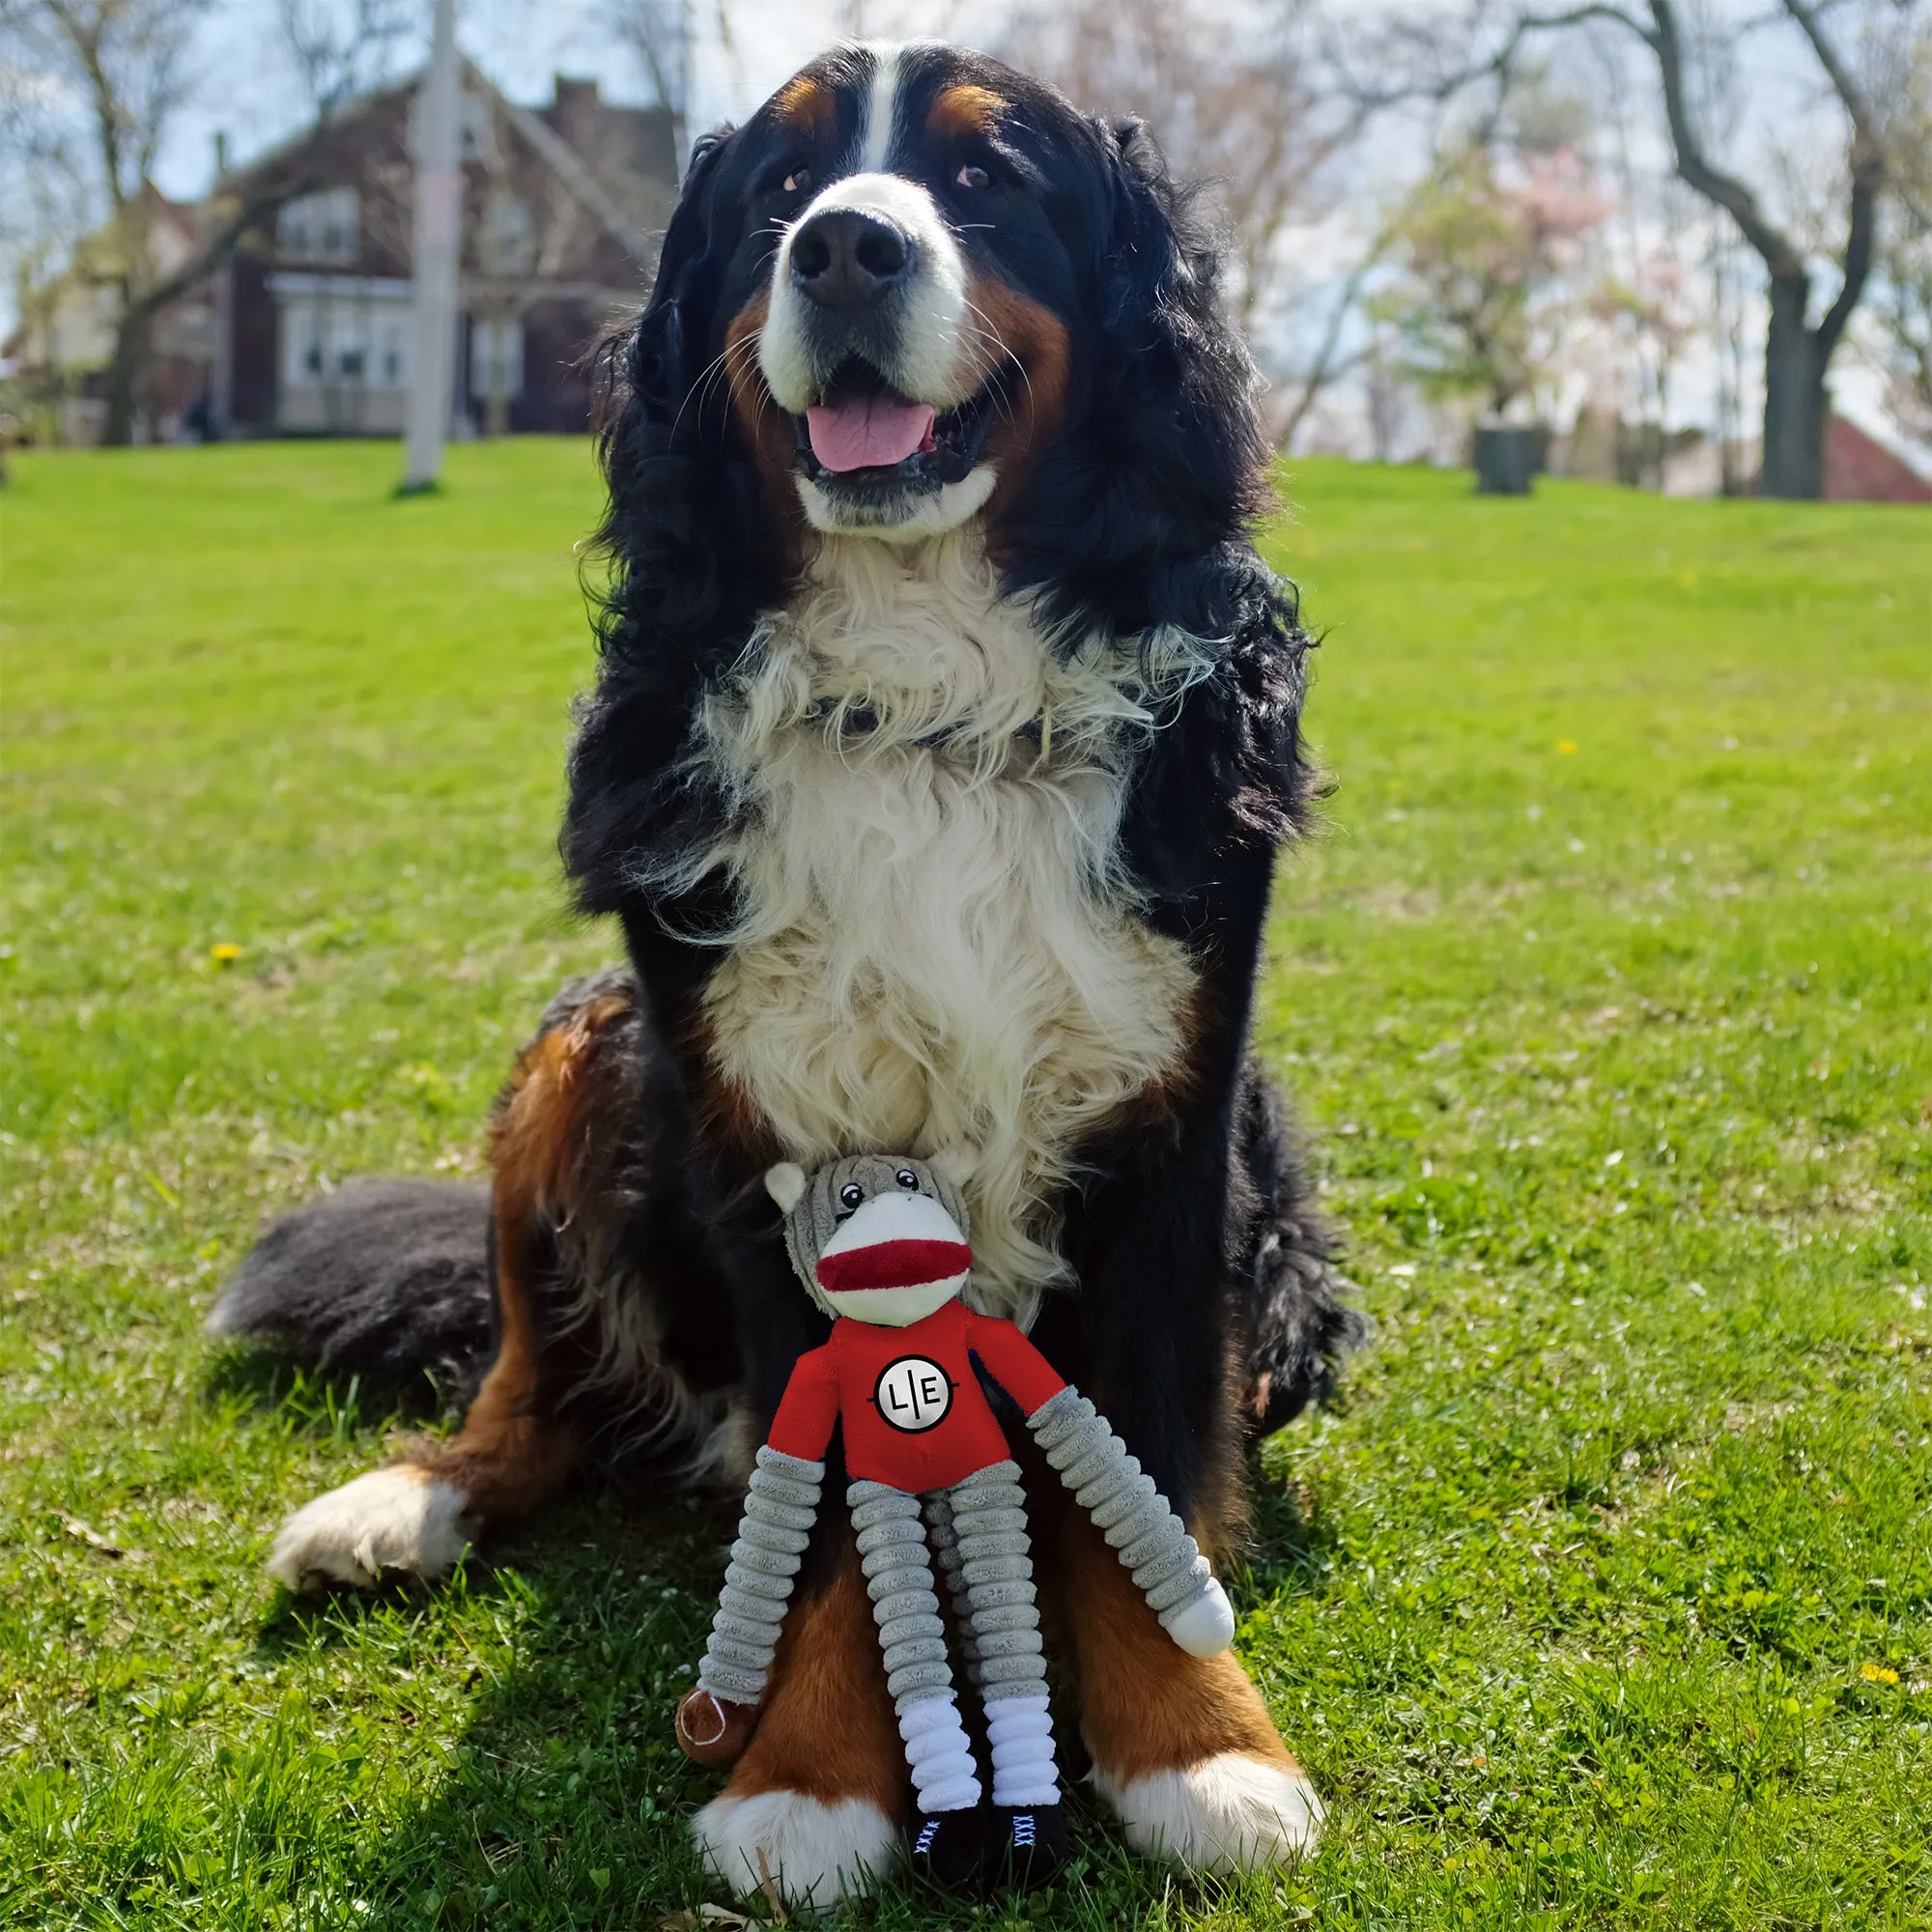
(915, 1413)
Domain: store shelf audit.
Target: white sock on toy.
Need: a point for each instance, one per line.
(940, 1756)
(1021, 1734)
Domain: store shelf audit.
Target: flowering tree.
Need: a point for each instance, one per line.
(1484, 292)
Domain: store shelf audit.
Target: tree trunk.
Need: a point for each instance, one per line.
(125, 369)
(1793, 396)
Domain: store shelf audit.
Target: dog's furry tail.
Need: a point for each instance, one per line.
(386, 1279)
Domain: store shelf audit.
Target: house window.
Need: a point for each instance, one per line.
(475, 130)
(319, 227)
(506, 244)
(496, 356)
(391, 356)
(342, 339)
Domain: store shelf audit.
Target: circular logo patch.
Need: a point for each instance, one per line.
(913, 1394)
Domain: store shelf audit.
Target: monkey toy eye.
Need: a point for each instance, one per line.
(906, 1178)
(852, 1194)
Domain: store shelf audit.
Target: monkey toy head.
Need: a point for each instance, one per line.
(878, 1237)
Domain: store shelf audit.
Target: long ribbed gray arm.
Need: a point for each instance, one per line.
(1135, 1519)
(781, 1506)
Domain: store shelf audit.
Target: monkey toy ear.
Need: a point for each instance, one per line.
(786, 1184)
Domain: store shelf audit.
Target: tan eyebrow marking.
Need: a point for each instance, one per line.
(808, 104)
(966, 110)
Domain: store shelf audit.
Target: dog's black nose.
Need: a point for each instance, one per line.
(848, 258)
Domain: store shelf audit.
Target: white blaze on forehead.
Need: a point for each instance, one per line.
(931, 365)
(875, 135)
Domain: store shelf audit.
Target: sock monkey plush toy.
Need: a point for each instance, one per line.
(880, 1242)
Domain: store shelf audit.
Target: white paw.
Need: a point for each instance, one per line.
(813, 1854)
(1206, 1628)
(399, 1518)
(1227, 1814)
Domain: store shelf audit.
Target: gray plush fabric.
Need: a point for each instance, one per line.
(945, 1541)
(781, 1506)
(996, 1566)
(980, 1530)
(898, 1580)
(811, 1224)
(1133, 1515)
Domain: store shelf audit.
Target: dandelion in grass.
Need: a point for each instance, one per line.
(224, 954)
(1566, 747)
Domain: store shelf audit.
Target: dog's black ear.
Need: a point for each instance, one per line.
(1177, 362)
(688, 568)
(677, 318)
(1150, 281)
(1138, 516)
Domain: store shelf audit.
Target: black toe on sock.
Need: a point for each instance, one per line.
(947, 1847)
(1027, 1844)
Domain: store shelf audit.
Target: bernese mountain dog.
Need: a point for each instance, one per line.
(946, 730)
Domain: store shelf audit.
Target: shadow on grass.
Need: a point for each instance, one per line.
(563, 1804)
(542, 1683)
(319, 1401)
(1290, 1550)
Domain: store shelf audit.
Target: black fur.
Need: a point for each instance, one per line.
(1199, 1256)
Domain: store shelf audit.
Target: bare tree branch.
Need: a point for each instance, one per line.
(128, 63)
(1781, 255)
(1861, 247)
(1796, 354)
(1325, 369)
(341, 48)
(1843, 84)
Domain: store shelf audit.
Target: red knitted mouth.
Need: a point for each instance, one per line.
(893, 1265)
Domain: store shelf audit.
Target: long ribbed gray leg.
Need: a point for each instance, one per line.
(989, 1518)
(944, 1539)
(779, 1508)
(898, 1580)
(1135, 1519)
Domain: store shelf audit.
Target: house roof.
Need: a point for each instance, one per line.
(572, 170)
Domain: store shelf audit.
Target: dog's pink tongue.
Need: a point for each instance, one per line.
(868, 432)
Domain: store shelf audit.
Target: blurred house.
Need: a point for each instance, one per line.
(306, 329)
(1602, 447)
(1859, 468)
(58, 353)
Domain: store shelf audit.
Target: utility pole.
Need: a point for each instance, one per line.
(437, 246)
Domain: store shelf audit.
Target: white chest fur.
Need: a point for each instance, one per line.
(936, 950)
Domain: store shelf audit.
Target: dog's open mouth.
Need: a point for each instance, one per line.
(862, 434)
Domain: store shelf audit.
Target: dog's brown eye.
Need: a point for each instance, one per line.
(906, 1178)
(798, 180)
(852, 1194)
(972, 176)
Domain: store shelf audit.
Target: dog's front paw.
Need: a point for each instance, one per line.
(811, 1852)
(1230, 1813)
(401, 1518)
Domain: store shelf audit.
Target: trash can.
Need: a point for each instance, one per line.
(1507, 460)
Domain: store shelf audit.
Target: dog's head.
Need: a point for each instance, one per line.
(918, 288)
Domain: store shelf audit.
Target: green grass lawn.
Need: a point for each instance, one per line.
(1604, 1595)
